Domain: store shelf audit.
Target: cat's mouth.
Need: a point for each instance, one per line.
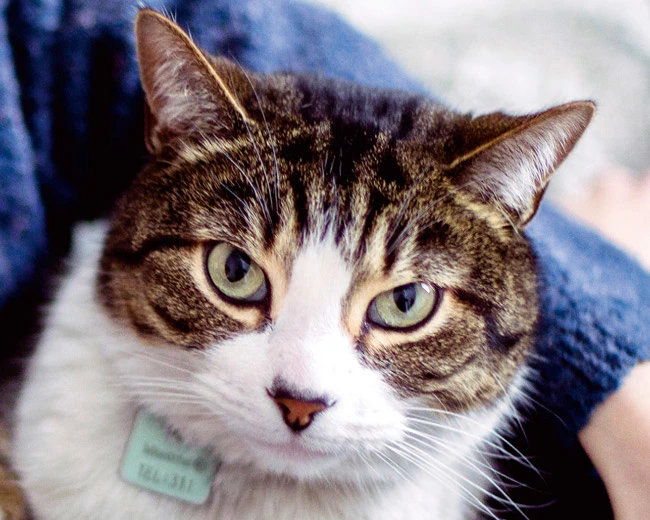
(297, 450)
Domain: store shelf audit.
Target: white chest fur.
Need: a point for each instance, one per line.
(75, 416)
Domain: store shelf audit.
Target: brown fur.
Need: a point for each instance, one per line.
(268, 162)
(12, 501)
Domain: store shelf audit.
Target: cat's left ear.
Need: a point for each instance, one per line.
(512, 159)
(186, 91)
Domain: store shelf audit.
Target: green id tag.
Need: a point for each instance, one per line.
(156, 461)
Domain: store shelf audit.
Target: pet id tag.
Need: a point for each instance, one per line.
(157, 461)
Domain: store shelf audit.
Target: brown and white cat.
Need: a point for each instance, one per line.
(323, 284)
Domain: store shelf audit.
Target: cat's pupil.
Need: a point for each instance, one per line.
(237, 265)
(404, 297)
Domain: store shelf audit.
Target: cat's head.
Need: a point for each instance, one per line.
(317, 278)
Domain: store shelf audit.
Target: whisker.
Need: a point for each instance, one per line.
(392, 465)
(514, 414)
(271, 141)
(492, 453)
(172, 399)
(505, 499)
(149, 381)
(461, 491)
(253, 141)
(476, 465)
(158, 361)
(442, 443)
(501, 448)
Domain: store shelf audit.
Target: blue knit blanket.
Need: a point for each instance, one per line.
(71, 138)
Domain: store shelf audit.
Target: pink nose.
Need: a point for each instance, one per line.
(297, 410)
(298, 414)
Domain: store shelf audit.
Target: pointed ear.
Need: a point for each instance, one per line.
(184, 90)
(510, 170)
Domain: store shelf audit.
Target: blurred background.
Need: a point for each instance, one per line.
(525, 55)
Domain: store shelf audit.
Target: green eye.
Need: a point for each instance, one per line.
(235, 275)
(404, 306)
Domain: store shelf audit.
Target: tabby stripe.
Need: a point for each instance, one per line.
(479, 304)
(392, 244)
(496, 341)
(376, 204)
(138, 323)
(407, 119)
(300, 202)
(136, 256)
(501, 343)
(433, 375)
(181, 325)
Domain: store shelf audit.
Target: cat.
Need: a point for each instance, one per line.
(322, 287)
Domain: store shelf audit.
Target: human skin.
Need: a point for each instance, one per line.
(617, 204)
(617, 437)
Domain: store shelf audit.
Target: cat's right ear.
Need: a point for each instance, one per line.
(184, 91)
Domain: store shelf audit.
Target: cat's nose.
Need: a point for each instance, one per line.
(298, 411)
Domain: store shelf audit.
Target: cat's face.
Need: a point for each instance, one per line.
(318, 279)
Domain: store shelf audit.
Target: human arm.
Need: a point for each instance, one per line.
(617, 439)
(617, 436)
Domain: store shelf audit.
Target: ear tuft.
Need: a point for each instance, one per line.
(182, 87)
(512, 170)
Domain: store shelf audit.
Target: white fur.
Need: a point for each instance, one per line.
(89, 376)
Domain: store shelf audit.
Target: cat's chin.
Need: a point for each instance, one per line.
(295, 459)
(295, 451)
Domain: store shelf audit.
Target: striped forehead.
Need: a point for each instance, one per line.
(318, 180)
(354, 187)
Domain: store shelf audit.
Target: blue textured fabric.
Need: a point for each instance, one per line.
(595, 319)
(71, 138)
(22, 231)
